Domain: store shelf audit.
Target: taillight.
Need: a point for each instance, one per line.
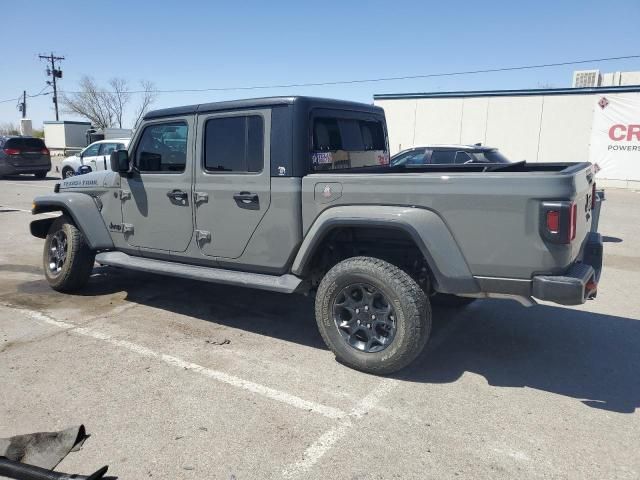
(553, 221)
(12, 151)
(593, 196)
(573, 216)
(558, 221)
(44, 151)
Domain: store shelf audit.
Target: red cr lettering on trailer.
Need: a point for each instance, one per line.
(621, 132)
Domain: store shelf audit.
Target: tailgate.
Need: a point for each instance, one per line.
(28, 151)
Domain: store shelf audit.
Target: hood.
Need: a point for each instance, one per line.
(92, 180)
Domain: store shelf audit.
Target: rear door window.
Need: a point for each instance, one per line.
(443, 156)
(463, 157)
(234, 144)
(340, 143)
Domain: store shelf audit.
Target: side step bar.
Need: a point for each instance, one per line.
(284, 283)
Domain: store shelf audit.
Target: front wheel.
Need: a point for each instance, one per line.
(67, 258)
(372, 315)
(67, 172)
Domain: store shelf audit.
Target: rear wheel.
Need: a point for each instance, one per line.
(67, 259)
(372, 315)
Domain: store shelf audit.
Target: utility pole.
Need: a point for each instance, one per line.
(22, 106)
(53, 73)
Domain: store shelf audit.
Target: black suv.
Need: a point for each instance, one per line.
(24, 155)
(447, 155)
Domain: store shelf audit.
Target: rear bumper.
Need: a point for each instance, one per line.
(579, 283)
(8, 169)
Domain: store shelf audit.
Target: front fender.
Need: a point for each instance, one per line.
(82, 209)
(429, 232)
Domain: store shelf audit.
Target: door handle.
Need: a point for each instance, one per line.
(247, 200)
(246, 197)
(177, 195)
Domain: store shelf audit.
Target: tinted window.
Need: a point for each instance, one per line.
(162, 148)
(234, 144)
(25, 143)
(347, 143)
(463, 157)
(414, 157)
(443, 156)
(91, 150)
(490, 156)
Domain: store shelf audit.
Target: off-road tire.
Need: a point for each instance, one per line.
(451, 301)
(77, 266)
(41, 174)
(410, 305)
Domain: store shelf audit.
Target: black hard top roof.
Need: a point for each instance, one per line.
(262, 102)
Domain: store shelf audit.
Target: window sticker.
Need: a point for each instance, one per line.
(322, 158)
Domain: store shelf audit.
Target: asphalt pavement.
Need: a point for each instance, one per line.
(178, 379)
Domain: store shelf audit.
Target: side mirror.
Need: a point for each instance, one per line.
(119, 161)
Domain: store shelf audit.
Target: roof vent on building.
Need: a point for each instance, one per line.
(586, 78)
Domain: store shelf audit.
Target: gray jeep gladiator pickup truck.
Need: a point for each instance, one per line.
(296, 194)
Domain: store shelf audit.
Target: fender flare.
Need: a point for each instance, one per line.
(83, 211)
(425, 227)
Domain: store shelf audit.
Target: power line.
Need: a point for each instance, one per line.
(386, 79)
(39, 94)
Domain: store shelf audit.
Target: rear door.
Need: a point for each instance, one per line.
(156, 197)
(232, 179)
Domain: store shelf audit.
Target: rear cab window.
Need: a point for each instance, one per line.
(346, 140)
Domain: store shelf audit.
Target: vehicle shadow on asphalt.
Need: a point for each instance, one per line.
(591, 357)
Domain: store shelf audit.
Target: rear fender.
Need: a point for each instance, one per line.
(83, 211)
(429, 232)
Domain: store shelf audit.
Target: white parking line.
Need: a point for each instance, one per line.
(222, 377)
(9, 207)
(328, 439)
(48, 186)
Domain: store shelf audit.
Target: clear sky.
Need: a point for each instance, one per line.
(206, 44)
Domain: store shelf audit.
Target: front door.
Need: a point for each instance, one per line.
(232, 179)
(157, 209)
(102, 160)
(89, 156)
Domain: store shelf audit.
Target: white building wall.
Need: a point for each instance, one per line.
(543, 128)
(438, 122)
(401, 122)
(566, 128)
(474, 120)
(513, 125)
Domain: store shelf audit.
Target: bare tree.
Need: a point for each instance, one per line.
(118, 98)
(107, 108)
(149, 96)
(90, 102)
(9, 128)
